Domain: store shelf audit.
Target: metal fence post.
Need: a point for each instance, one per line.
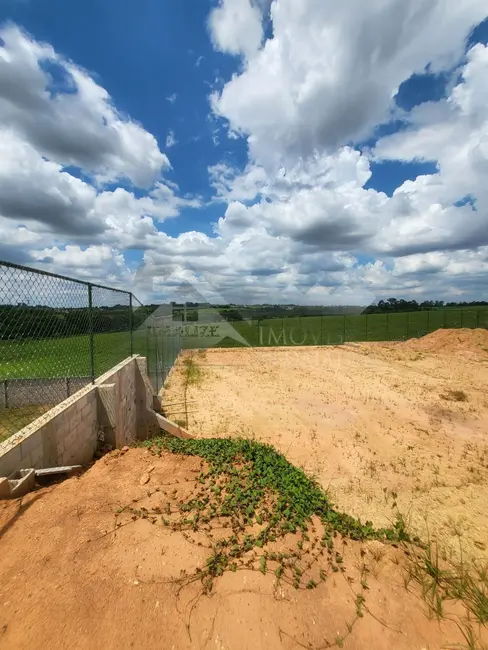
(147, 343)
(131, 325)
(92, 339)
(50, 322)
(156, 355)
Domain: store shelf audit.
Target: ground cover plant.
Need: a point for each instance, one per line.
(253, 493)
(253, 510)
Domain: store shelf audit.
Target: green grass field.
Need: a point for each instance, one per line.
(62, 357)
(334, 330)
(70, 357)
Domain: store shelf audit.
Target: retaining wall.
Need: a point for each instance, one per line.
(116, 410)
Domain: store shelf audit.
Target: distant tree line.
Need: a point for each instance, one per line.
(38, 322)
(395, 305)
(286, 311)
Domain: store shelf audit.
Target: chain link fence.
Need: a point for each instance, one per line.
(165, 342)
(335, 330)
(58, 335)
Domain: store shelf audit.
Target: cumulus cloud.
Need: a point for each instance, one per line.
(447, 210)
(37, 193)
(236, 27)
(54, 116)
(32, 188)
(300, 222)
(300, 232)
(328, 74)
(95, 263)
(62, 112)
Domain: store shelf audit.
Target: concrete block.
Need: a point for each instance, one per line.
(10, 460)
(26, 462)
(82, 402)
(70, 439)
(30, 442)
(21, 482)
(70, 431)
(73, 419)
(37, 457)
(107, 411)
(88, 411)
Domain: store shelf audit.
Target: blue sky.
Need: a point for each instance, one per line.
(238, 136)
(143, 56)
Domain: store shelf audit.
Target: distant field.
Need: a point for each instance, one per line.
(62, 357)
(70, 357)
(325, 330)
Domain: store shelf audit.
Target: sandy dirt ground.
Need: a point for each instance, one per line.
(381, 426)
(77, 570)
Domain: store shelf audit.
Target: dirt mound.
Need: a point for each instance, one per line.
(90, 563)
(455, 340)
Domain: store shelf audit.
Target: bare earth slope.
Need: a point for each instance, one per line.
(378, 424)
(78, 571)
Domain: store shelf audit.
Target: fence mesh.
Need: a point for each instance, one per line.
(335, 330)
(56, 336)
(164, 344)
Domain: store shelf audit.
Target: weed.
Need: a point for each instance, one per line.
(378, 553)
(246, 483)
(359, 605)
(461, 582)
(192, 373)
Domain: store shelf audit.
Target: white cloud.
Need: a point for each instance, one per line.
(32, 188)
(46, 125)
(453, 132)
(95, 263)
(328, 74)
(236, 27)
(297, 224)
(37, 194)
(72, 121)
(171, 141)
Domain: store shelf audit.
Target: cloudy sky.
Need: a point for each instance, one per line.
(318, 152)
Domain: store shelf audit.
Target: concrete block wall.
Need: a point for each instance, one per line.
(113, 409)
